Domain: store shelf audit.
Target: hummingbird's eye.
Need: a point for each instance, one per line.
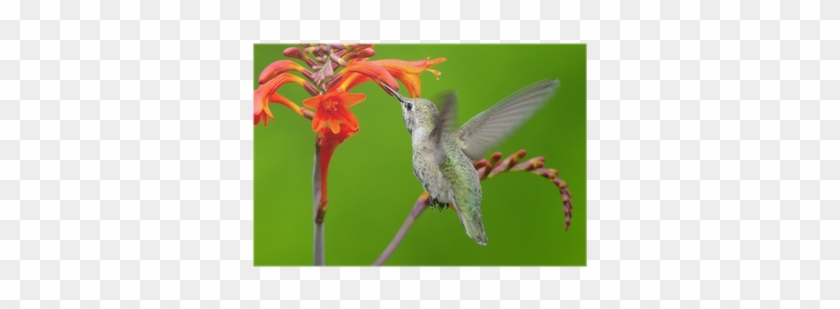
(408, 106)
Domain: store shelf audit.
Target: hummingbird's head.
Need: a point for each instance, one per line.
(418, 113)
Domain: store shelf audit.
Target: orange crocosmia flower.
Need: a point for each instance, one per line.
(329, 141)
(408, 72)
(267, 92)
(332, 108)
(358, 71)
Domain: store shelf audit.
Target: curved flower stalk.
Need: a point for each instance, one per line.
(328, 73)
(487, 169)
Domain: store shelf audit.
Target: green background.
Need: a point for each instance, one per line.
(372, 187)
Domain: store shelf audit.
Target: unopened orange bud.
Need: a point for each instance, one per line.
(494, 158)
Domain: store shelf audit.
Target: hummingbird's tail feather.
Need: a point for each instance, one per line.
(471, 221)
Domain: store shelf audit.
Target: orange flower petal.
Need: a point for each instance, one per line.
(350, 99)
(313, 102)
(318, 121)
(334, 125)
(412, 84)
(346, 116)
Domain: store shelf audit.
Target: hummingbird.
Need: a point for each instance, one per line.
(443, 154)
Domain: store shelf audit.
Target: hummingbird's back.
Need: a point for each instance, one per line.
(465, 188)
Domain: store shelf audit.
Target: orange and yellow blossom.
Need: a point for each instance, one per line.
(267, 92)
(408, 72)
(329, 110)
(333, 108)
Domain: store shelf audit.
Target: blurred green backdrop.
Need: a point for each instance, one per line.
(372, 187)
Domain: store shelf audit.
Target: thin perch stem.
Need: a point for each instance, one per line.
(316, 197)
(418, 209)
(487, 169)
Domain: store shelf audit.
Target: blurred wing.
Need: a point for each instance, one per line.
(446, 122)
(491, 126)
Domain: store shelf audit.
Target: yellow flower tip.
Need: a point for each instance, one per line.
(435, 72)
(430, 63)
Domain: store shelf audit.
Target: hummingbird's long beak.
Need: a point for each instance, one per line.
(392, 91)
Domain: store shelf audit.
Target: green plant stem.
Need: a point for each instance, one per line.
(318, 242)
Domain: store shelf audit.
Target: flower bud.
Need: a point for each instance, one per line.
(519, 154)
(366, 53)
(308, 74)
(529, 165)
(494, 158)
(311, 89)
(338, 59)
(294, 52)
(335, 79)
(360, 46)
(328, 70)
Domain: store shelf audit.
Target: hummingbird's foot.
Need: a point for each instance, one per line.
(435, 203)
